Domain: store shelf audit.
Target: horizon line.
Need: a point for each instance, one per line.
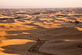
(35, 7)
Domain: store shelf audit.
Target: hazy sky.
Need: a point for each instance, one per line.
(39, 3)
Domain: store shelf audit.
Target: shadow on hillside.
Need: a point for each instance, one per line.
(44, 34)
(21, 49)
(51, 33)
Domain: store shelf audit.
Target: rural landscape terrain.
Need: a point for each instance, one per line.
(41, 31)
